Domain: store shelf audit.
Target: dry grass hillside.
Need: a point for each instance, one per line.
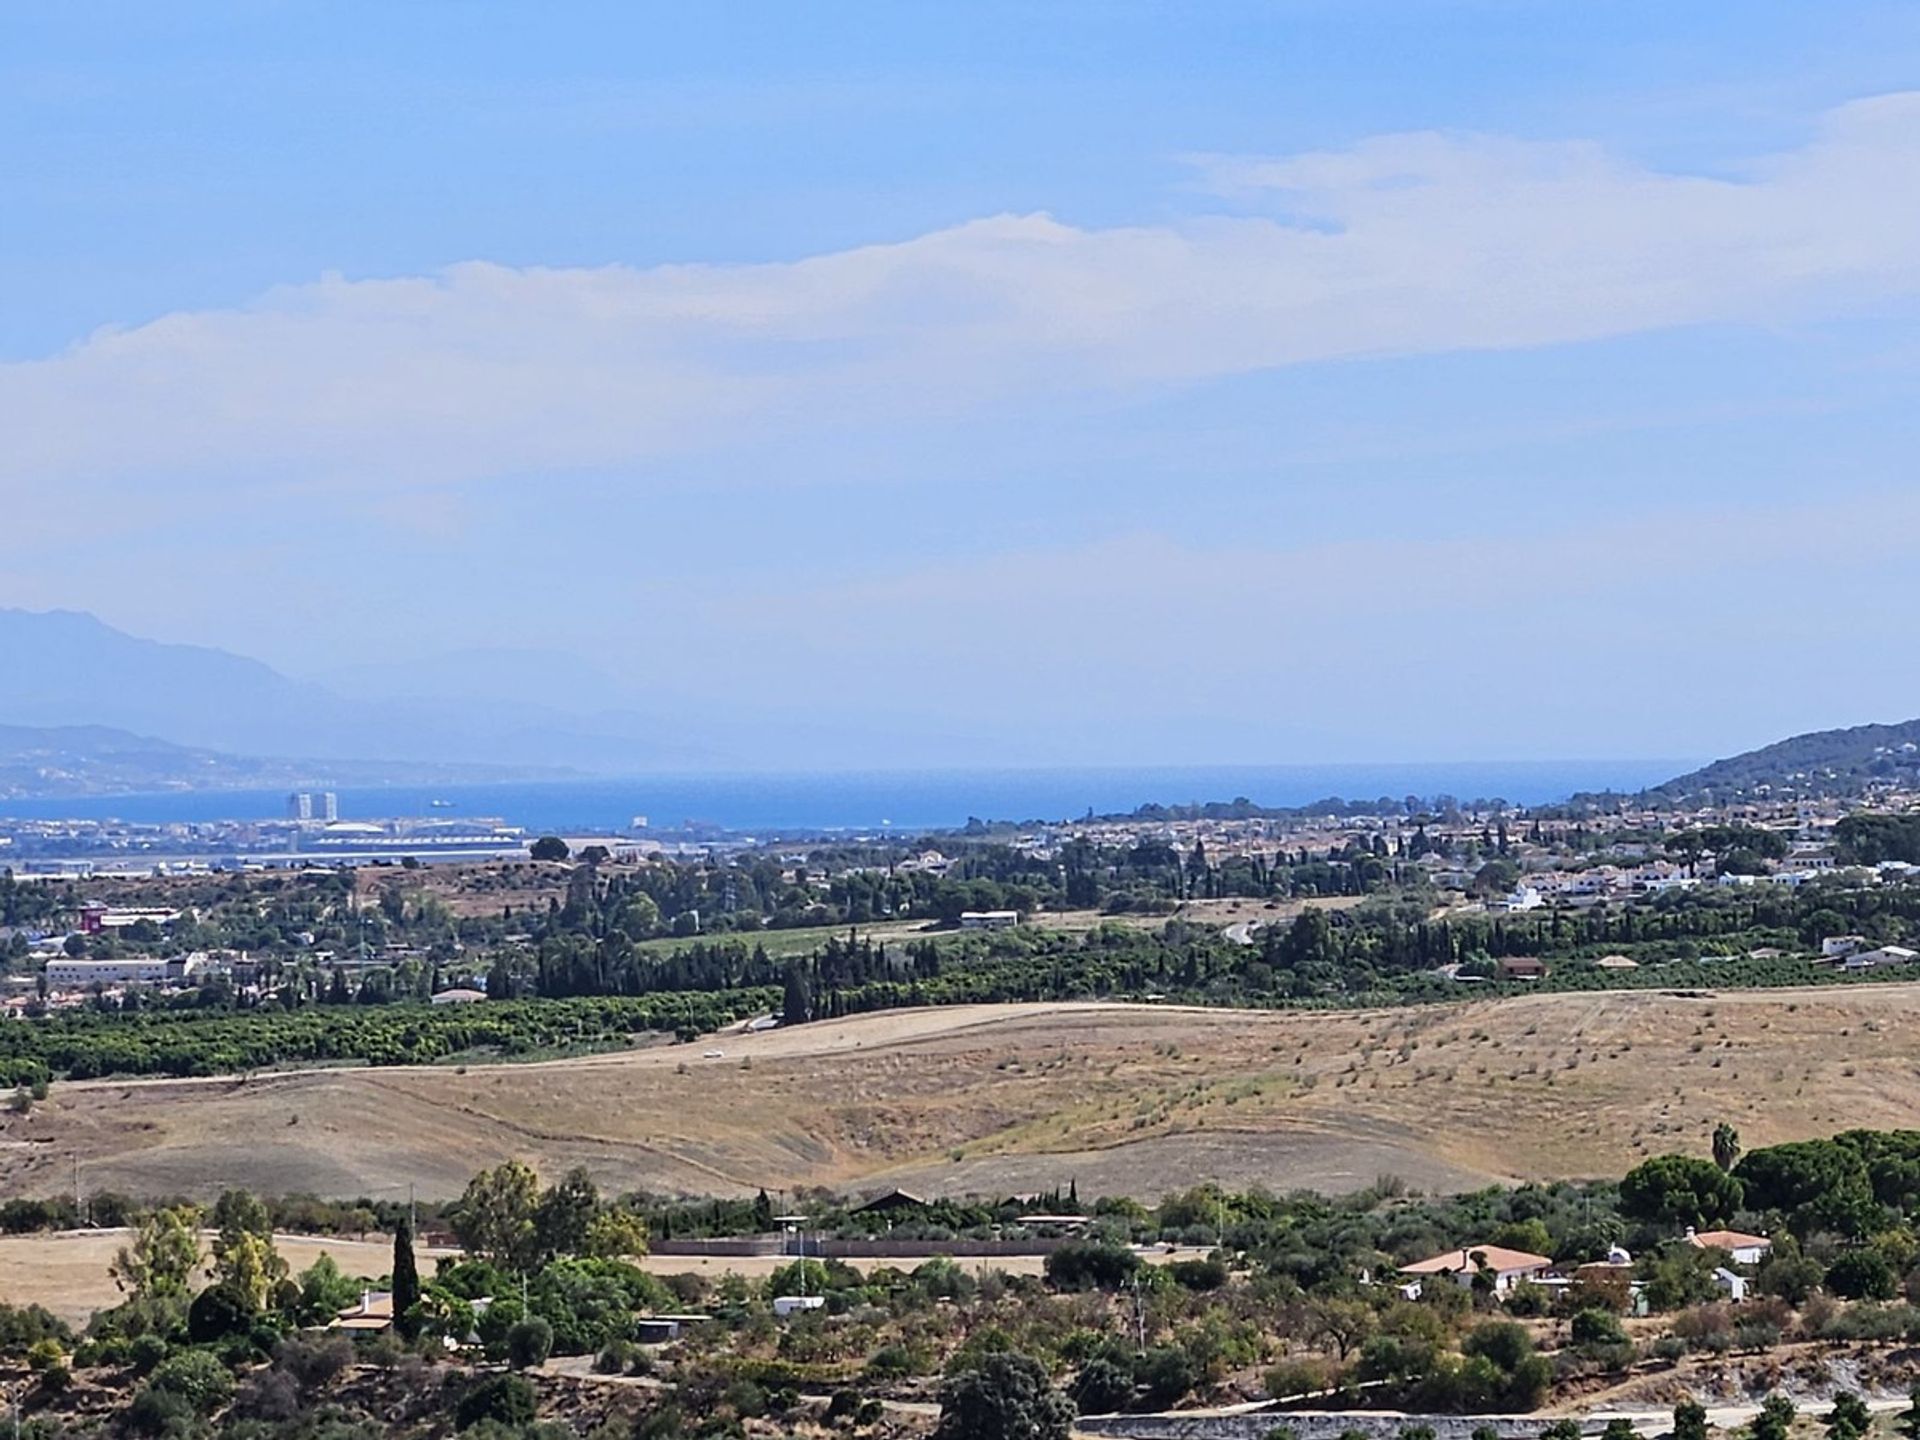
(1138, 1099)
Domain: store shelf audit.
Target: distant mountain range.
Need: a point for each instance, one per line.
(46, 762)
(519, 714)
(82, 701)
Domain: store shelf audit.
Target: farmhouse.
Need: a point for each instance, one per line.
(1507, 1267)
(1522, 967)
(1745, 1249)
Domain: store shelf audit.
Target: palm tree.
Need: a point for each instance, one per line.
(1726, 1145)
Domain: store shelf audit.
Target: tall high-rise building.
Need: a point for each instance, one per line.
(300, 806)
(329, 806)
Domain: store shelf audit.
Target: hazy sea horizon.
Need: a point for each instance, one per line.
(900, 800)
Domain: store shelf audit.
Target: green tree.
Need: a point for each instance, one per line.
(564, 1213)
(1814, 1184)
(163, 1257)
(495, 1216)
(406, 1281)
(1678, 1190)
(1775, 1420)
(1849, 1419)
(1007, 1397)
(1689, 1421)
(245, 1263)
(548, 847)
(797, 1007)
(1862, 1275)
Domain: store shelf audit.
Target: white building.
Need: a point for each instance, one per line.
(1507, 1267)
(1744, 1249)
(70, 974)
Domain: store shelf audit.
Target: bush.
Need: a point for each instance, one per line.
(844, 1405)
(1862, 1275)
(1102, 1387)
(215, 1314)
(1089, 1265)
(1007, 1395)
(144, 1352)
(45, 1354)
(504, 1399)
(55, 1378)
(196, 1378)
(1206, 1274)
(1169, 1374)
(891, 1362)
(529, 1342)
(1596, 1327)
(270, 1395)
(1297, 1377)
(615, 1359)
(313, 1364)
(155, 1412)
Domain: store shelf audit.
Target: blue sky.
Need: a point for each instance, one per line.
(1122, 382)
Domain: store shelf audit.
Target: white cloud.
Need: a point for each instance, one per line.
(1401, 245)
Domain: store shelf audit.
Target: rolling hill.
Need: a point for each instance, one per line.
(1823, 762)
(1136, 1099)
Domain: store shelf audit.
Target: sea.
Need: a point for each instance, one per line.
(907, 801)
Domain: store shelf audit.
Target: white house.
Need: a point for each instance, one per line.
(1742, 1248)
(1507, 1267)
(1885, 955)
(1836, 946)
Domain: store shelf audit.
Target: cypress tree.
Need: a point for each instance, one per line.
(406, 1279)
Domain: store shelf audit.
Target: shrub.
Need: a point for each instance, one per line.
(1089, 1265)
(216, 1313)
(155, 1412)
(44, 1354)
(1862, 1275)
(1206, 1274)
(1169, 1374)
(891, 1362)
(1297, 1377)
(144, 1352)
(313, 1364)
(196, 1378)
(529, 1342)
(504, 1399)
(271, 1395)
(1008, 1394)
(844, 1405)
(1596, 1327)
(1102, 1387)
